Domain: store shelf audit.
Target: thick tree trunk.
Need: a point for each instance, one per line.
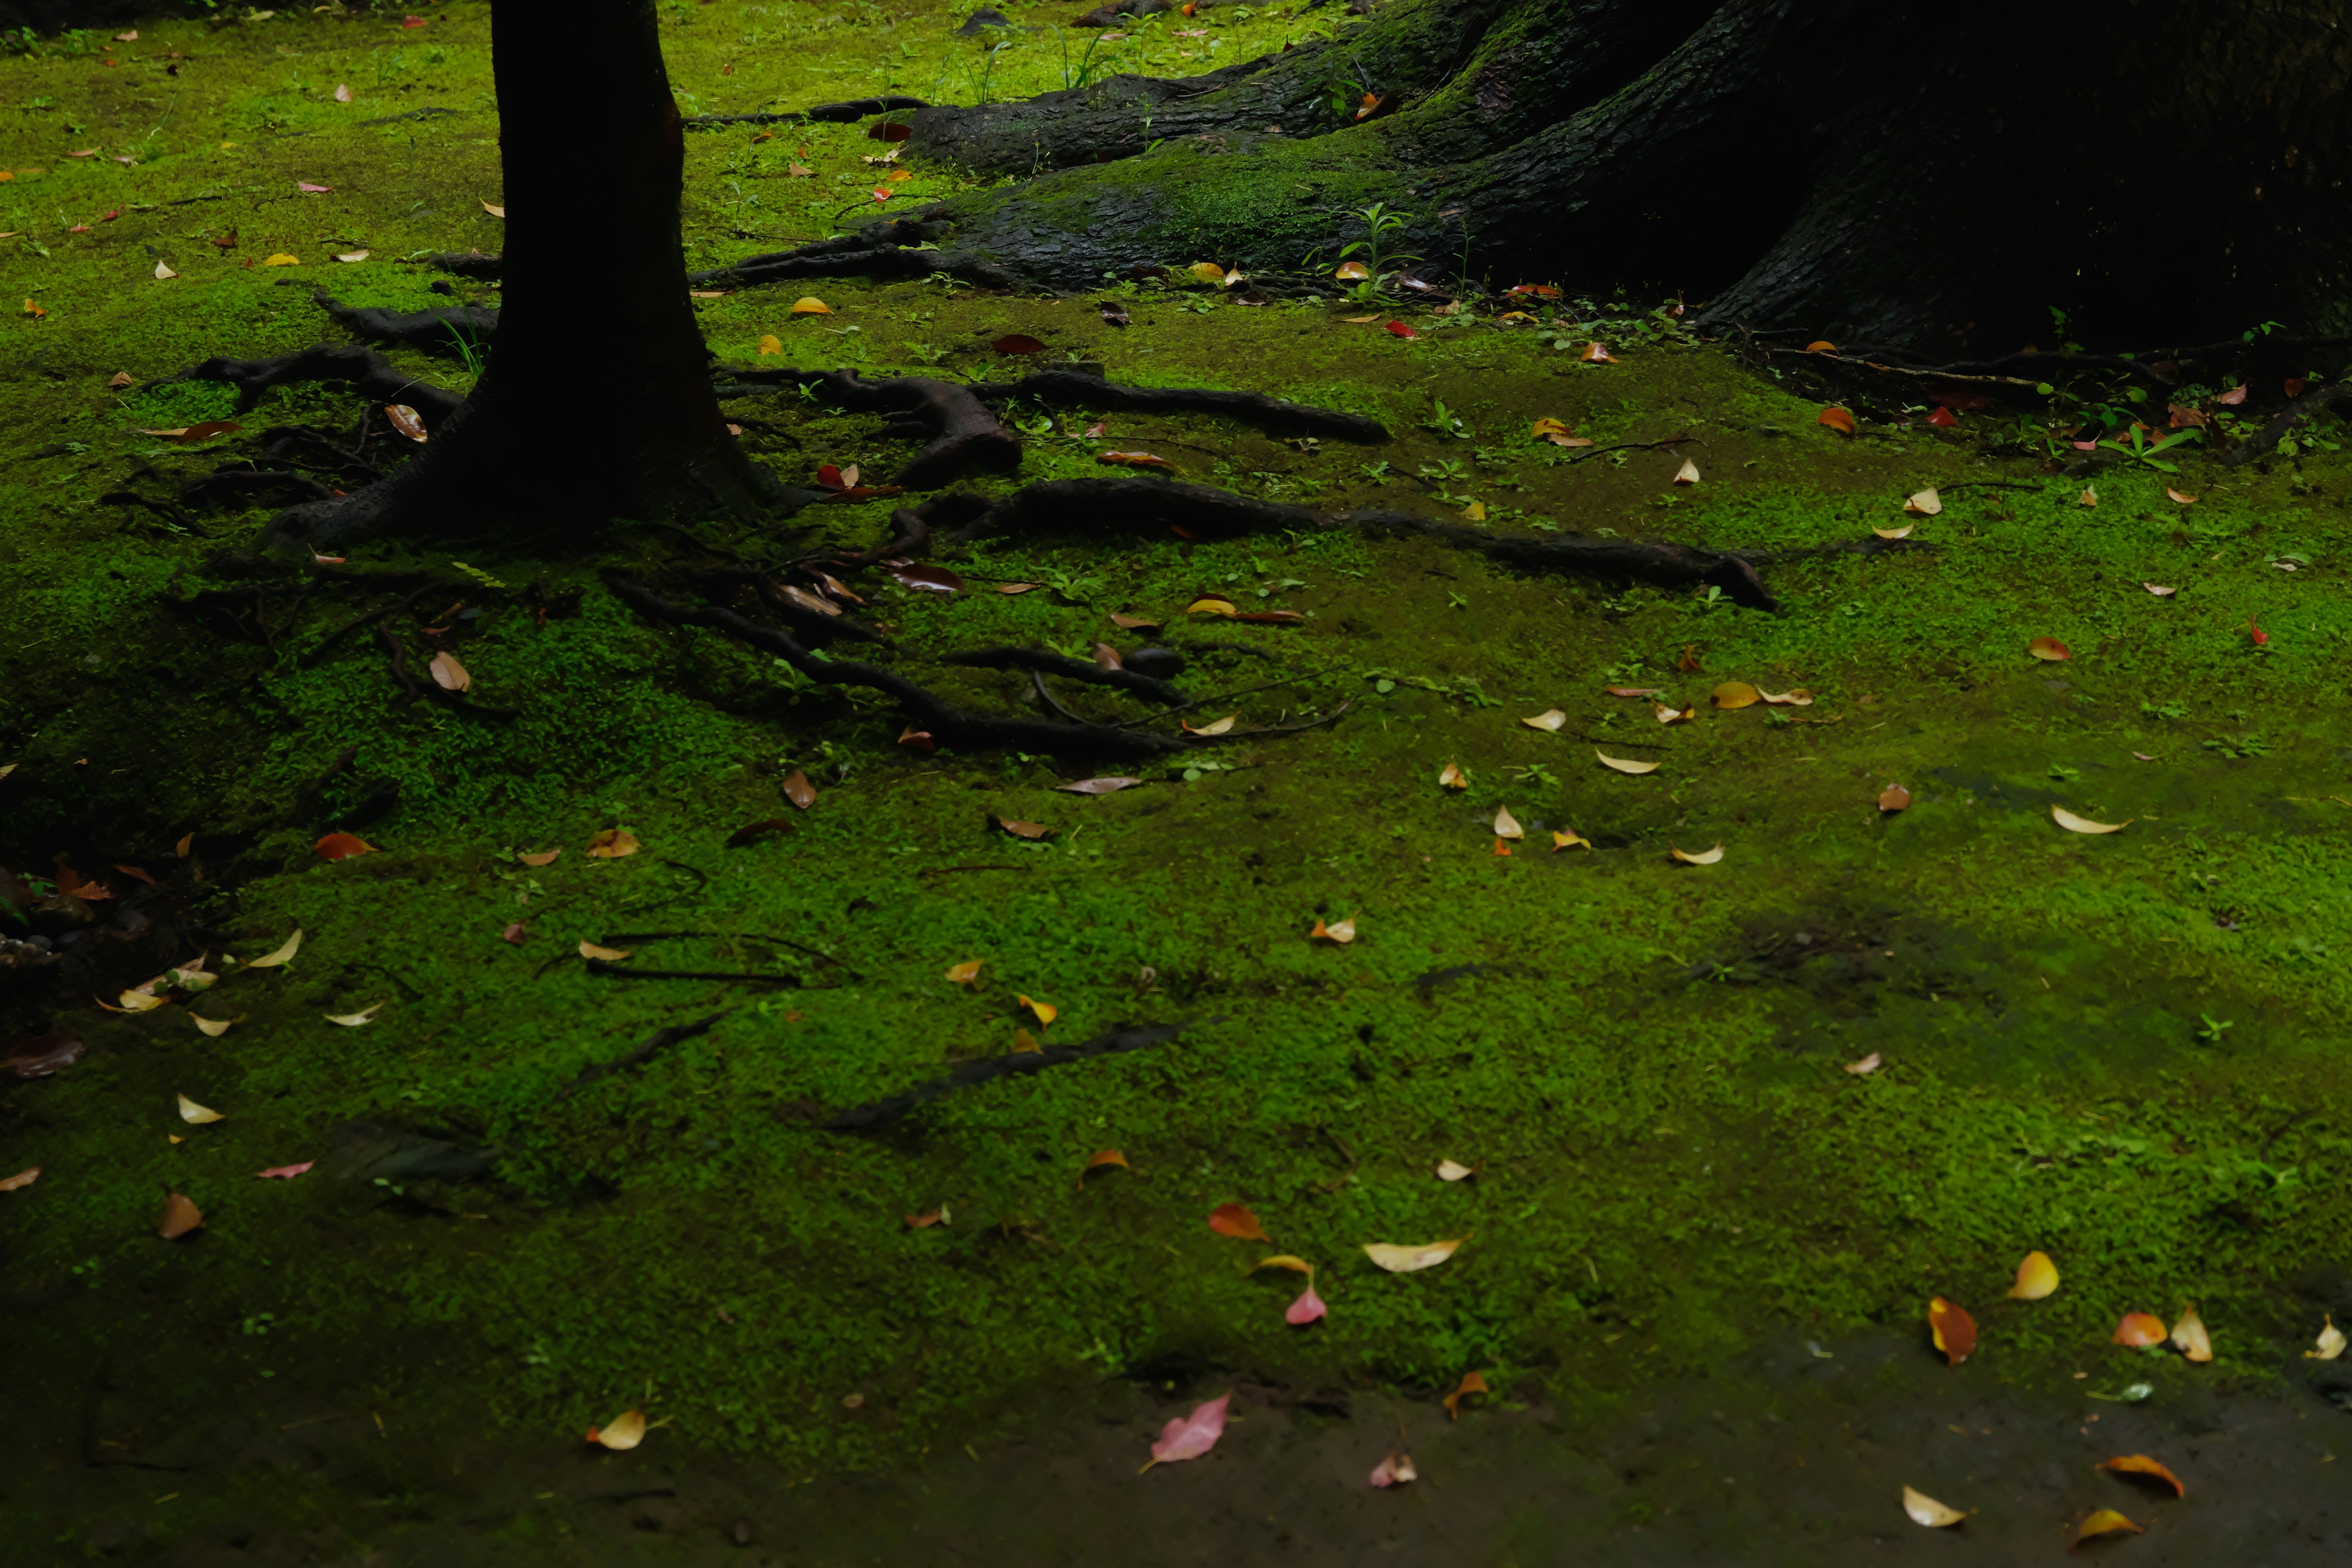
(1903, 171)
(597, 400)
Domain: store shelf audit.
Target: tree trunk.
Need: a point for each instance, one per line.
(597, 399)
(1903, 173)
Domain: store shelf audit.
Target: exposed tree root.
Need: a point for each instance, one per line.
(2299, 411)
(1075, 389)
(368, 372)
(486, 267)
(660, 1041)
(1205, 511)
(439, 330)
(887, 249)
(988, 1069)
(1043, 661)
(963, 434)
(836, 114)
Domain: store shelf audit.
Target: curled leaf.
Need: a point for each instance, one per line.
(1666, 715)
(1044, 1012)
(1625, 764)
(215, 1027)
(1348, 272)
(539, 857)
(1687, 474)
(2160, 591)
(611, 844)
(180, 1216)
(1452, 777)
(2330, 1343)
(927, 1218)
(1394, 1470)
(1023, 1042)
(342, 846)
(1107, 785)
(2073, 824)
(1838, 420)
(1734, 694)
(1595, 355)
(406, 420)
(1925, 503)
(1307, 1309)
(1213, 727)
(1569, 838)
(354, 1020)
(1455, 1171)
(284, 955)
(1401, 330)
(918, 740)
(1505, 824)
(1901, 532)
(1703, 857)
(2140, 1330)
(1954, 1331)
(196, 1115)
(284, 1173)
(2049, 649)
(2037, 1277)
(2105, 1521)
(1472, 1383)
(1210, 606)
(2176, 495)
(1236, 1221)
(810, 305)
(1099, 1160)
(622, 1432)
(1138, 460)
(2141, 1465)
(1402, 1259)
(1866, 1065)
(1550, 720)
(771, 344)
(2189, 1338)
(1340, 932)
(2090, 497)
(1924, 1509)
(603, 954)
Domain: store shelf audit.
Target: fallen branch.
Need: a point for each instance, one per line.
(1071, 388)
(661, 1041)
(987, 1070)
(2299, 411)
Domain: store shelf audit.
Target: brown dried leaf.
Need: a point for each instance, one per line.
(180, 1216)
(1031, 830)
(404, 420)
(1894, 797)
(1236, 1221)
(751, 831)
(799, 791)
(1096, 786)
(611, 844)
(449, 674)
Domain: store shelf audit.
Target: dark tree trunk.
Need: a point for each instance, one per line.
(1899, 171)
(597, 400)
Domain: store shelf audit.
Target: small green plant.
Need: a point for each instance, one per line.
(2142, 450)
(1535, 773)
(2210, 1029)
(1379, 259)
(1445, 421)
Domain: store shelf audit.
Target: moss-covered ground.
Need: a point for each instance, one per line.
(2126, 1051)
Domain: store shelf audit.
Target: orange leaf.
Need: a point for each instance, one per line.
(1340, 932)
(1472, 1383)
(2176, 495)
(919, 740)
(1235, 1220)
(963, 973)
(611, 844)
(2049, 648)
(1101, 1158)
(1894, 797)
(1838, 420)
(1030, 830)
(1044, 1012)
(2140, 1329)
(927, 1218)
(544, 857)
(2141, 1465)
(1955, 1331)
(2037, 1277)
(342, 846)
(1137, 460)
(799, 791)
(2105, 1522)
(180, 1216)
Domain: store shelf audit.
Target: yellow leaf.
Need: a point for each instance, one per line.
(2037, 1277)
(2090, 497)
(140, 1001)
(283, 955)
(2050, 650)
(196, 1115)
(1472, 1383)
(2189, 1338)
(1568, 839)
(282, 259)
(215, 1027)
(2073, 824)
(1398, 1260)
(33, 309)
(1044, 1012)
(1926, 503)
(1901, 532)
(1023, 1041)
(1352, 272)
(624, 1431)
(2141, 1465)
(771, 344)
(1475, 512)
(1342, 932)
(1687, 474)
(1505, 824)
(492, 210)
(2330, 1343)
(607, 954)
(1283, 1260)
(1551, 719)
(1210, 608)
(1452, 778)
(1625, 764)
(963, 973)
(1924, 1509)
(1351, 321)
(1454, 1170)
(611, 844)
(810, 305)
(353, 1020)
(2105, 1522)
(1207, 272)
(1673, 715)
(1734, 694)
(1703, 857)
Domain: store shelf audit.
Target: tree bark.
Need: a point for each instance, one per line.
(597, 400)
(1898, 173)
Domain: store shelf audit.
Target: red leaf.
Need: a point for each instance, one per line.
(920, 740)
(1401, 330)
(1943, 418)
(1236, 1221)
(1018, 343)
(2261, 637)
(2294, 386)
(343, 846)
(926, 579)
(889, 130)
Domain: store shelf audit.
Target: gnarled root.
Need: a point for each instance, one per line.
(370, 375)
(1075, 389)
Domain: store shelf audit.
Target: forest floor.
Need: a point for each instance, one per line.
(1697, 1245)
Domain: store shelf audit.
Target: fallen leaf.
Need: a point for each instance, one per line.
(1207, 272)
(33, 309)
(1595, 355)
(1290, 1261)
(603, 954)
(1452, 777)
(1838, 420)
(927, 1218)
(1132, 622)
(1472, 1383)
(1098, 1160)
(611, 844)
(21, 1180)
(1734, 694)
(1026, 1042)
(1358, 321)
(354, 1020)
(190, 435)
(1943, 418)
(1505, 824)
(1013, 588)
(1636, 690)
(2189, 1338)
(2141, 1465)
(1307, 1309)
(516, 932)
(799, 791)
(494, 209)
(1894, 797)
(810, 305)
(1475, 512)
(351, 256)
(1558, 434)
(1030, 830)
(2090, 497)
(2073, 824)
(1568, 838)
(1271, 618)
(2049, 649)
(1401, 330)
(1018, 343)
(215, 1027)
(1106, 657)
(164, 271)
(1401, 1260)
(342, 846)
(119, 378)
(2139, 1329)
(2233, 397)
(180, 1216)
(1925, 503)
(284, 1173)
(310, 189)
(1044, 1012)
(1687, 474)
(1455, 1171)
(2330, 1343)
(2159, 590)
(1352, 272)
(282, 956)
(1901, 532)
(1924, 1509)
(1213, 727)
(130, 37)
(2261, 637)
(1666, 715)
(1236, 1221)
(1139, 460)
(1955, 1332)
(2176, 495)
(2037, 1277)
(282, 259)
(1114, 314)
(1394, 1470)
(963, 973)
(1190, 1437)
(771, 344)
(752, 831)
(342, 93)
(1866, 1065)
(1340, 932)
(1096, 786)
(622, 1432)
(405, 420)
(2105, 1521)
(1625, 764)
(542, 857)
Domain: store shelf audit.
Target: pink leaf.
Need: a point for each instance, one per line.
(1394, 1470)
(515, 933)
(307, 189)
(286, 1172)
(1307, 1308)
(1190, 1437)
